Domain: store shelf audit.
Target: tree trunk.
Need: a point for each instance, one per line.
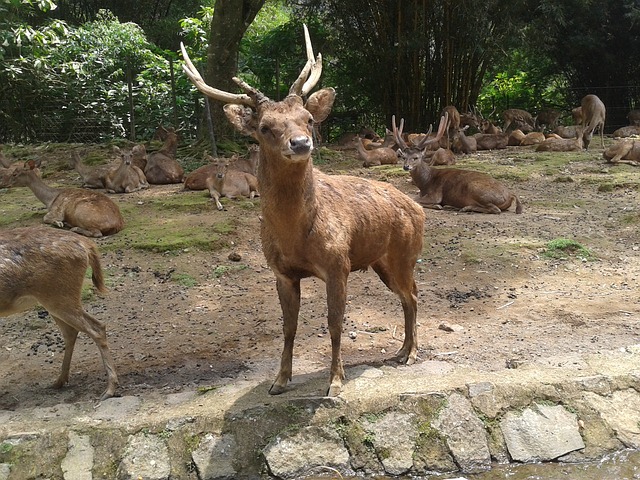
(231, 18)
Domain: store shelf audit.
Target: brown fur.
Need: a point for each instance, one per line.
(466, 190)
(162, 167)
(489, 141)
(47, 266)
(375, 156)
(515, 138)
(547, 118)
(593, 117)
(519, 118)
(317, 225)
(634, 117)
(625, 151)
(533, 138)
(628, 131)
(126, 178)
(443, 156)
(222, 181)
(86, 212)
(552, 144)
(463, 143)
(566, 131)
(92, 177)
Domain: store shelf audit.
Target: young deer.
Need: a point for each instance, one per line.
(162, 166)
(42, 265)
(86, 212)
(126, 178)
(321, 225)
(625, 151)
(466, 190)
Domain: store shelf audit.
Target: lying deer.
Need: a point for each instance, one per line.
(92, 177)
(126, 178)
(463, 143)
(86, 212)
(162, 166)
(466, 190)
(553, 144)
(45, 266)
(221, 181)
(625, 151)
(319, 225)
(593, 117)
(375, 156)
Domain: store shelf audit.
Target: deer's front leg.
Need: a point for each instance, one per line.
(289, 295)
(336, 302)
(54, 217)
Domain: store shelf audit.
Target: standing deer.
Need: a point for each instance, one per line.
(319, 225)
(86, 212)
(519, 118)
(45, 266)
(593, 117)
(454, 122)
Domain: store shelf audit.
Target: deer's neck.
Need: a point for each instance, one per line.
(287, 195)
(361, 150)
(41, 190)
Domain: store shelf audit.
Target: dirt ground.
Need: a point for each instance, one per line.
(197, 319)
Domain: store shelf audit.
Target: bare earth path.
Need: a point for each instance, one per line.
(194, 319)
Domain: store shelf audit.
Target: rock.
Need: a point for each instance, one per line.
(621, 411)
(294, 455)
(541, 433)
(78, 462)
(464, 433)
(214, 457)
(147, 457)
(394, 438)
(451, 327)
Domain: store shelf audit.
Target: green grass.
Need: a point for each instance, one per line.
(563, 249)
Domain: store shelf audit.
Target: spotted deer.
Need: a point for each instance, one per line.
(320, 225)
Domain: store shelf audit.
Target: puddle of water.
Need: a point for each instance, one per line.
(623, 465)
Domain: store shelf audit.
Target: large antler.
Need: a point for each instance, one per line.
(311, 71)
(195, 77)
(307, 79)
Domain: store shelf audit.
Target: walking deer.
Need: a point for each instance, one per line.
(47, 266)
(466, 190)
(86, 212)
(320, 225)
(593, 117)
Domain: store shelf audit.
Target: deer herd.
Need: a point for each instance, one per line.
(312, 224)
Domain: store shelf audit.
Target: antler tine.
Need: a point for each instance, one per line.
(312, 69)
(443, 127)
(397, 134)
(195, 77)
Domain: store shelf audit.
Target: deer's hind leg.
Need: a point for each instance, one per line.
(397, 274)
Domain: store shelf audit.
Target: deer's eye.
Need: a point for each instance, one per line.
(264, 130)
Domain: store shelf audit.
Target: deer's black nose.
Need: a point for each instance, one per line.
(301, 144)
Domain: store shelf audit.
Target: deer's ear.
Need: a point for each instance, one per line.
(244, 119)
(320, 104)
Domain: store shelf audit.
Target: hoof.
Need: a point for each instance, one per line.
(334, 390)
(276, 389)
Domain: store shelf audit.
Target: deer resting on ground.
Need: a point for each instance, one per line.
(319, 225)
(127, 177)
(625, 151)
(466, 190)
(162, 167)
(42, 265)
(86, 212)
